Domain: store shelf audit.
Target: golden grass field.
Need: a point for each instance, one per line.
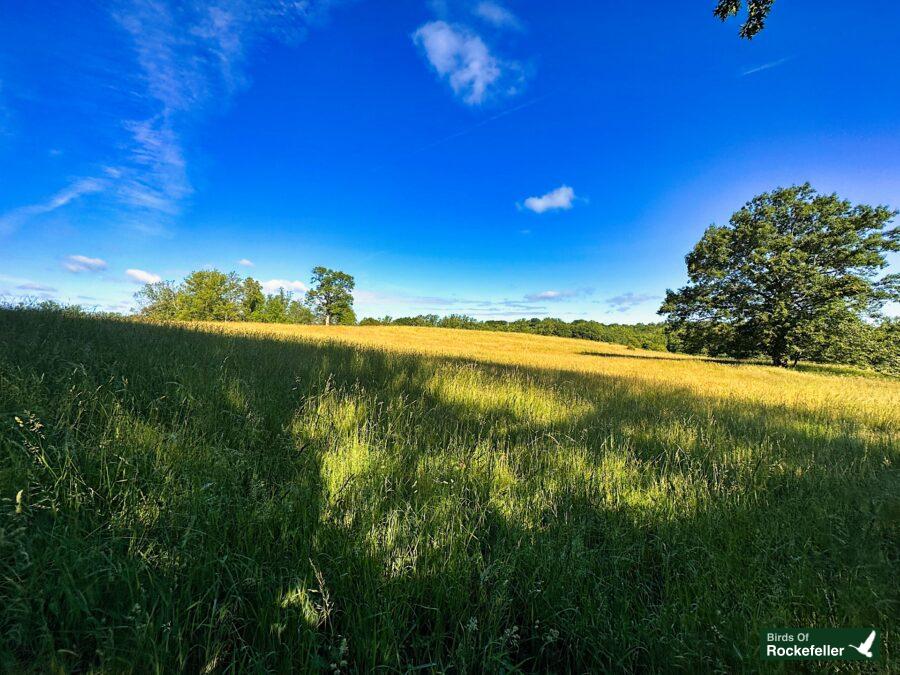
(264, 498)
(827, 388)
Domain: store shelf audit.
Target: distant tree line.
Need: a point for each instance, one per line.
(640, 335)
(870, 345)
(211, 295)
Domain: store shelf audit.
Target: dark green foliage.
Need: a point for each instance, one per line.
(344, 315)
(421, 320)
(757, 11)
(46, 307)
(875, 346)
(368, 321)
(252, 299)
(330, 296)
(639, 335)
(280, 307)
(790, 269)
(458, 321)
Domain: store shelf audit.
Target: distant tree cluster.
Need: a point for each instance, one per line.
(211, 295)
(792, 276)
(641, 335)
(870, 345)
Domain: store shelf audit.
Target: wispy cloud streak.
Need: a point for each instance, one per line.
(532, 304)
(80, 187)
(765, 66)
(497, 15)
(559, 295)
(187, 58)
(142, 276)
(630, 300)
(83, 263)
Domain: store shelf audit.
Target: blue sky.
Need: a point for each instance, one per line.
(500, 159)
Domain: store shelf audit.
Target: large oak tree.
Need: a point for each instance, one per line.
(330, 296)
(790, 269)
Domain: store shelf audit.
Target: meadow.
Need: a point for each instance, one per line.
(259, 498)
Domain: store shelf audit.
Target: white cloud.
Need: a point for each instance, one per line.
(245, 262)
(407, 304)
(82, 263)
(560, 198)
(627, 301)
(497, 15)
(142, 277)
(553, 295)
(192, 57)
(544, 295)
(186, 60)
(30, 286)
(273, 285)
(78, 188)
(460, 56)
(154, 176)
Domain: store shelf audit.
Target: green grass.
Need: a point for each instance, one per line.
(179, 500)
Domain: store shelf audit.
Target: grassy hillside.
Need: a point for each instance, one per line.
(260, 497)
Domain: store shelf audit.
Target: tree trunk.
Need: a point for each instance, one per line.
(327, 319)
(778, 350)
(778, 358)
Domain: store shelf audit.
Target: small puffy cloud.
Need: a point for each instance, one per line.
(273, 286)
(544, 295)
(82, 263)
(626, 301)
(560, 198)
(497, 15)
(142, 277)
(244, 262)
(461, 57)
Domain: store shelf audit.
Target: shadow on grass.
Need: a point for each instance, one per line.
(653, 357)
(802, 367)
(209, 501)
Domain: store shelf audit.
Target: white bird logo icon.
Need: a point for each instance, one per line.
(866, 647)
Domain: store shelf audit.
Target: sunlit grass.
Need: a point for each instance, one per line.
(259, 497)
(707, 377)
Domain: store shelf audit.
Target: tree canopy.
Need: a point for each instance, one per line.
(253, 300)
(757, 11)
(210, 295)
(330, 296)
(786, 277)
